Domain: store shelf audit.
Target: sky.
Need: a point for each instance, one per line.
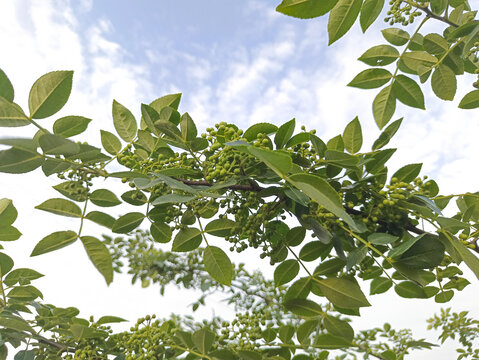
(235, 61)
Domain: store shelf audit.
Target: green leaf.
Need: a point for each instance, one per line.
(55, 166)
(8, 213)
(470, 100)
(410, 290)
(58, 145)
(161, 232)
(384, 106)
(404, 246)
(407, 91)
(100, 256)
(279, 162)
(353, 136)
(172, 198)
(220, 227)
(25, 355)
(320, 191)
(172, 183)
(295, 236)
(15, 323)
(426, 253)
(284, 133)
(109, 319)
(9, 233)
(329, 267)
(218, 265)
(327, 341)
(70, 125)
(313, 250)
(342, 17)
(408, 172)
(438, 6)
(343, 293)
(124, 122)
(470, 259)
(303, 307)
(171, 100)
(49, 93)
(170, 115)
(443, 82)
(54, 241)
(127, 222)
(22, 276)
(260, 128)
(110, 142)
(435, 44)
(17, 161)
(380, 55)
(101, 218)
(61, 207)
(6, 264)
(371, 78)
(395, 36)
(370, 12)
(300, 289)
(305, 9)
(381, 238)
(187, 239)
(12, 115)
(387, 134)
(380, 285)
(188, 127)
(285, 272)
(6, 87)
(356, 257)
(203, 340)
(104, 198)
(150, 116)
(338, 327)
(414, 59)
(169, 129)
(444, 296)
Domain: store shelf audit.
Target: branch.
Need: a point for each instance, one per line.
(430, 14)
(252, 187)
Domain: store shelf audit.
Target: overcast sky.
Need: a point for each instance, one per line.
(235, 61)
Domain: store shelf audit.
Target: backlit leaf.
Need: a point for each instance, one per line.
(305, 9)
(104, 198)
(380, 55)
(285, 272)
(60, 207)
(353, 136)
(470, 100)
(49, 93)
(99, 255)
(218, 265)
(407, 91)
(54, 241)
(70, 125)
(369, 12)
(187, 239)
(124, 122)
(343, 293)
(443, 82)
(110, 142)
(128, 222)
(342, 17)
(384, 106)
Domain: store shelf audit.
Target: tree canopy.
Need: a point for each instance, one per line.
(331, 217)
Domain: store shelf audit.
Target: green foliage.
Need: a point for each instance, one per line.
(352, 223)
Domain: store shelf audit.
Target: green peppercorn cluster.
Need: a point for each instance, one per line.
(403, 12)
